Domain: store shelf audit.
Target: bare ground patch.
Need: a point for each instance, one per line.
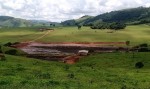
(67, 52)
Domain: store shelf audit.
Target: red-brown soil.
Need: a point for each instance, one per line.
(71, 59)
(66, 51)
(25, 44)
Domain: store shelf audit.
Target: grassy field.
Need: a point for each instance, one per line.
(136, 34)
(98, 71)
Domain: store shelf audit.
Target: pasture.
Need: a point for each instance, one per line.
(97, 71)
(135, 34)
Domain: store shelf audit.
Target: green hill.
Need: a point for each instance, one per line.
(83, 19)
(7, 21)
(127, 15)
(138, 15)
(79, 21)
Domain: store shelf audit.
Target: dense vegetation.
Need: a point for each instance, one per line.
(79, 21)
(138, 15)
(104, 25)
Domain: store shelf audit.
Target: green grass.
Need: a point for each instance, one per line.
(136, 34)
(19, 34)
(98, 71)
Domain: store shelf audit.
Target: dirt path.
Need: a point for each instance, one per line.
(41, 36)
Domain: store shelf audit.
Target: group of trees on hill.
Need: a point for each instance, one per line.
(132, 16)
(115, 26)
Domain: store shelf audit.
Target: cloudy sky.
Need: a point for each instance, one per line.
(60, 10)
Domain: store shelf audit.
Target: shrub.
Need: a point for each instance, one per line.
(139, 65)
(127, 43)
(143, 48)
(11, 52)
(8, 44)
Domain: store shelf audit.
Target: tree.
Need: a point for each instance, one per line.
(127, 43)
(139, 65)
(143, 48)
(104, 25)
(79, 26)
(11, 52)
(117, 26)
(8, 44)
(50, 24)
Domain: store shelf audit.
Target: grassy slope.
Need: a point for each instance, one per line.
(83, 19)
(98, 71)
(18, 34)
(136, 34)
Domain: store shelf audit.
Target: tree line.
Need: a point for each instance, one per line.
(104, 25)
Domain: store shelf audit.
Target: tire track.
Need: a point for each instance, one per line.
(41, 36)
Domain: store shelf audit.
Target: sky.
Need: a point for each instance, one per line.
(60, 10)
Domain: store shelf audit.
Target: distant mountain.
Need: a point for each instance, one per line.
(138, 15)
(43, 23)
(7, 21)
(130, 16)
(39, 21)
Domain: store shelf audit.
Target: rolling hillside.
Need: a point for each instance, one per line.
(98, 71)
(80, 21)
(138, 15)
(7, 21)
(137, 34)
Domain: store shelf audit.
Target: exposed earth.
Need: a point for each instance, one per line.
(67, 52)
